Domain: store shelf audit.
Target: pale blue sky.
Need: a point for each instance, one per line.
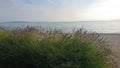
(59, 10)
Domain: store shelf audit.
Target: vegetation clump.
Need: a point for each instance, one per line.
(39, 48)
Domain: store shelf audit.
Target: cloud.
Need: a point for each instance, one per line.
(67, 10)
(51, 1)
(14, 1)
(104, 10)
(29, 12)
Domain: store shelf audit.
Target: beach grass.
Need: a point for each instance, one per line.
(38, 48)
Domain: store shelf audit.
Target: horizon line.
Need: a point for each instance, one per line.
(62, 21)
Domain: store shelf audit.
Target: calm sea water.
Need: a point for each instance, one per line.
(99, 27)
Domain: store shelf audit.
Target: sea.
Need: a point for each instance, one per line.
(93, 26)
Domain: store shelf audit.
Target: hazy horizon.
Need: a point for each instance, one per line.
(59, 10)
(60, 21)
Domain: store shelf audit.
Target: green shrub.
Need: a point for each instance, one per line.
(24, 48)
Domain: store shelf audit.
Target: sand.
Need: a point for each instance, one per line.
(114, 42)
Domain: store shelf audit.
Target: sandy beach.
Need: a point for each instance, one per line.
(114, 42)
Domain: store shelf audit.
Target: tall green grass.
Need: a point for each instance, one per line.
(32, 48)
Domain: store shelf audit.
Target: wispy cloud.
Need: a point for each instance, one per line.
(104, 10)
(14, 1)
(51, 1)
(69, 10)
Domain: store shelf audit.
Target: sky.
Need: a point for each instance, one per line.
(59, 10)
